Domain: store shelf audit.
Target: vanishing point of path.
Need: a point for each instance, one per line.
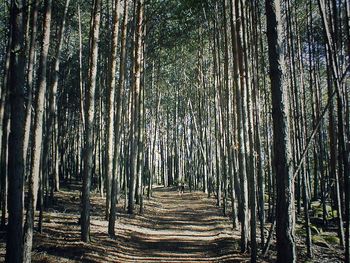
(174, 229)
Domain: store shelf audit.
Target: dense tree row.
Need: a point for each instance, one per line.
(247, 101)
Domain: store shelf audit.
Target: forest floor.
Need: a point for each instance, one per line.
(173, 228)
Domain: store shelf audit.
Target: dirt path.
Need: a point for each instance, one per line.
(173, 228)
(180, 228)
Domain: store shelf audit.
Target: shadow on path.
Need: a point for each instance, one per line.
(173, 228)
(179, 228)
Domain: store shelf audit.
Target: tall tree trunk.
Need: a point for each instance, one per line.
(4, 132)
(33, 182)
(81, 86)
(134, 135)
(239, 86)
(284, 176)
(51, 134)
(4, 161)
(14, 245)
(111, 182)
(154, 139)
(30, 77)
(333, 65)
(89, 122)
(111, 106)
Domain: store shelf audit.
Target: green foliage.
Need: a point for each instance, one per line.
(266, 198)
(333, 214)
(325, 240)
(300, 232)
(320, 241)
(172, 23)
(331, 239)
(317, 210)
(315, 230)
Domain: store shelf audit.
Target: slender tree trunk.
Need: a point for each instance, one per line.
(14, 245)
(51, 138)
(30, 76)
(4, 88)
(111, 171)
(284, 176)
(33, 182)
(331, 45)
(153, 162)
(89, 124)
(239, 86)
(4, 162)
(4, 132)
(111, 114)
(136, 105)
(81, 86)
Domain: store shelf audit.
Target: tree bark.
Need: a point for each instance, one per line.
(239, 86)
(4, 132)
(14, 245)
(111, 182)
(136, 105)
(51, 134)
(89, 122)
(284, 177)
(33, 182)
(111, 114)
(30, 76)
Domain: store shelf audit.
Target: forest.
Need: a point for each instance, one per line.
(174, 131)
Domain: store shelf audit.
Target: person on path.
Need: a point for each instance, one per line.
(181, 187)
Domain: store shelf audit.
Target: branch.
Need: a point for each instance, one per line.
(302, 158)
